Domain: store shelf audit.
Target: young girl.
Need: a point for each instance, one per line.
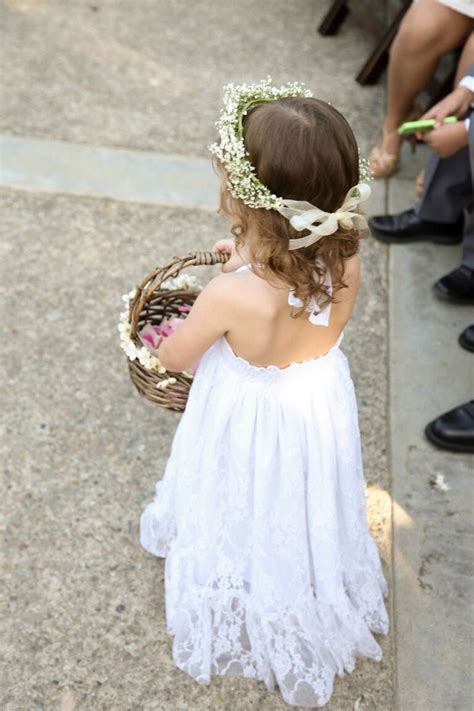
(271, 572)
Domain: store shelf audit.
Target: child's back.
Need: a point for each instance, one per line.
(271, 571)
(265, 332)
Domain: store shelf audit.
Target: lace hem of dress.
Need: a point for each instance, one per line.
(223, 628)
(300, 650)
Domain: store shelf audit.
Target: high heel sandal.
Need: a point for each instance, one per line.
(382, 163)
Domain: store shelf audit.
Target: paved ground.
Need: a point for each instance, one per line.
(148, 74)
(433, 532)
(83, 604)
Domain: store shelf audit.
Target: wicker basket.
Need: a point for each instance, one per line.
(152, 304)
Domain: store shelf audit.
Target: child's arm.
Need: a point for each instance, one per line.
(209, 319)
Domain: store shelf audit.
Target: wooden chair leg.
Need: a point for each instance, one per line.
(334, 18)
(378, 60)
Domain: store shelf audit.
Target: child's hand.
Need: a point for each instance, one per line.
(235, 261)
(448, 139)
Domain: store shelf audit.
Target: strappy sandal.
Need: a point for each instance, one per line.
(382, 163)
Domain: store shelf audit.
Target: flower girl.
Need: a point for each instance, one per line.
(271, 572)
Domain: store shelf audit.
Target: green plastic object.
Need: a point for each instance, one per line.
(415, 126)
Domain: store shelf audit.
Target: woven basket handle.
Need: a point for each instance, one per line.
(172, 268)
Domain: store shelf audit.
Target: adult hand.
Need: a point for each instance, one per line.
(235, 261)
(454, 104)
(448, 139)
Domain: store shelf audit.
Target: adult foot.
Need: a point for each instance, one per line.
(466, 338)
(457, 286)
(454, 430)
(408, 227)
(383, 159)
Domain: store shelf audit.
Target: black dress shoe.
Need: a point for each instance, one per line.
(466, 339)
(408, 227)
(454, 430)
(457, 286)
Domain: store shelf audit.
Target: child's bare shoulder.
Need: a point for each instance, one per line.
(351, 275)
(226, 285)
(352, 268)
(351, 279)
(232, 289)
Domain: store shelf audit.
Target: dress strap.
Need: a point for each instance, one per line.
(243, 268)
(317, 315)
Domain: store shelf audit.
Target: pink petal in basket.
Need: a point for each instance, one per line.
(151, 336)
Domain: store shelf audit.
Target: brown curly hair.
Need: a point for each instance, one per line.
(301, 149)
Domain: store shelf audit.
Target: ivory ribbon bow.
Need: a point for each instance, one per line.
(302, 216)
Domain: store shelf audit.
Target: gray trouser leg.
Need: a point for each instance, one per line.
(468, 242)
(448, 188)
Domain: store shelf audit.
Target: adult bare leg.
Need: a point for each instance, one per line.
(427, 31)
(465, 60)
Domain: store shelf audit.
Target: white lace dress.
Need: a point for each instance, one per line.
(271, 572)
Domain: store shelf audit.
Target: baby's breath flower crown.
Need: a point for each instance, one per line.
(231, 151)
(241, 179)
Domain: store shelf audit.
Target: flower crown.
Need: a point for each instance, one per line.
(243, 183)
